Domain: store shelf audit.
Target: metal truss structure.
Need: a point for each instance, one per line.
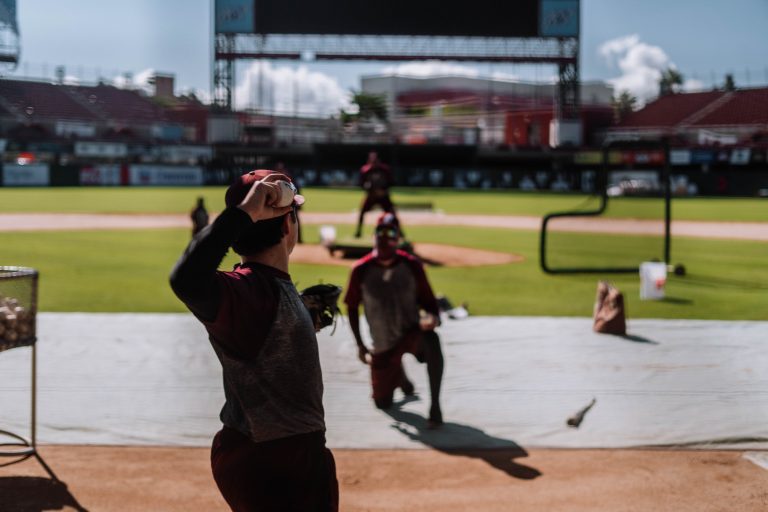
(563, 52)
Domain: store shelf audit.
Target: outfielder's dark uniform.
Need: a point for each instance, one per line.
(375, 179)
(270, 453)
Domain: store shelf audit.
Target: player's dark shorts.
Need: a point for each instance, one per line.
(374, 198)
(387, 367)
(296, 473)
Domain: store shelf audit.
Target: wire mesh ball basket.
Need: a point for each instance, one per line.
(18, 307)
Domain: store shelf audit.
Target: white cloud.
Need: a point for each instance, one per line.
(139, 80)
(437, 68)
(201, 94)
(640, 64)
(285, 89)
(693, 85)
(423, 69)
(610, 49)
(508, 77)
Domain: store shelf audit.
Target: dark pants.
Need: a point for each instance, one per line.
(387, 372)
(293, 474)
(372, 199)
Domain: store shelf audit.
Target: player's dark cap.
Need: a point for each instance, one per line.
(388, 219)
(388, 225)
(240, 187)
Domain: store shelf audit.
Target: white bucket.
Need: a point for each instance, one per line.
(653, 277)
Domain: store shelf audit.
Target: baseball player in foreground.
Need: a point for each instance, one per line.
(270, 454)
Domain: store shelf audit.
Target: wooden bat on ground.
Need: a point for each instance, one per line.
(575, 420)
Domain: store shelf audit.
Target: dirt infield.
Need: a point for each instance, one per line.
(138, 479)
(433, 254)
(697, 229)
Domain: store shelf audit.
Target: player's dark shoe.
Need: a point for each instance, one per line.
(435, 417)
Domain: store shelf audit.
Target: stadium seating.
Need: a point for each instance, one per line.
(120, 104)
(668, 111)
(42, 100)
(744, 107)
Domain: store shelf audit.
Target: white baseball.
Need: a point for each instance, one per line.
(287, 191)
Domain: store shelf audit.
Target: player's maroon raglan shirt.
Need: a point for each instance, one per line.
(378, 175)
(271, 453)
(391, 297)
(261, 332)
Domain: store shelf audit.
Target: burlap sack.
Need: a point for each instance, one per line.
(609, 316)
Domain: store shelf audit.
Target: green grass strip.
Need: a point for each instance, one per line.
(127, 271)
(476, 202)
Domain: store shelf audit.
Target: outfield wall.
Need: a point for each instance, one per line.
(639, 172)
(44, 175)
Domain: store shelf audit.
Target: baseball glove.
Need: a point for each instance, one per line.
(321, 300)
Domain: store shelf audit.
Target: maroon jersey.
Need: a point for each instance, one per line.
(375, 177)
(391, 297)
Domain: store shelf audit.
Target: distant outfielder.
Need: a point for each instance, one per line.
(375, 179)
(199, 216)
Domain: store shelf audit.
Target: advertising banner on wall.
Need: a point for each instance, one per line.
(234, 16)
(101, 149)
(31, 175)
(702, 156)
(680, 157)
(164, 175)
(185, 154)
(100, 175)
(740, 156)
(588, 158)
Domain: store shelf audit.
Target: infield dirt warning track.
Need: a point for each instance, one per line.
(697, 229)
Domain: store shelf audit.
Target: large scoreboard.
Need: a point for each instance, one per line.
(474, 18)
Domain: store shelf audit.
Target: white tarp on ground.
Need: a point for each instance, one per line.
(154, 379)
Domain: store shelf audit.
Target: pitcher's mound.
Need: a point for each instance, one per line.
(432, 254)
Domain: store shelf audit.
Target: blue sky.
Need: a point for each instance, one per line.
(623, 41)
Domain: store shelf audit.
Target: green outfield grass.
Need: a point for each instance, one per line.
(127, 271)
(181, 200)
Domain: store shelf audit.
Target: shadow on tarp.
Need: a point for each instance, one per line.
(464, 441)
(636, 339)
(34, 493)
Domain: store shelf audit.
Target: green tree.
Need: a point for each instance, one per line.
(671, 82)
(369, 107)
(623, 105)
